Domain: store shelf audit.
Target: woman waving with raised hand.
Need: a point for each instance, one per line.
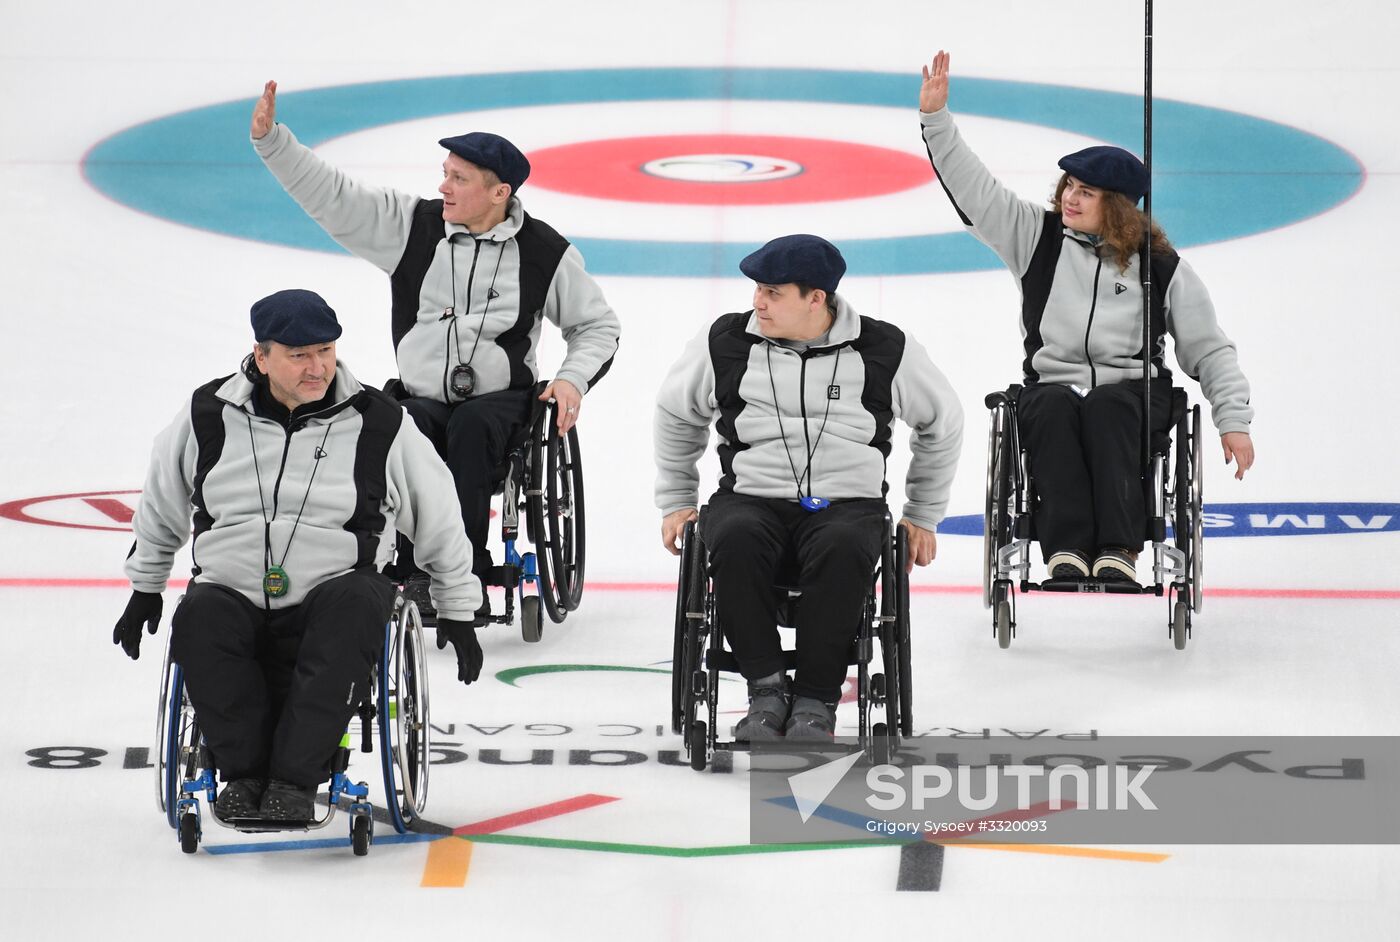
(1077, 263)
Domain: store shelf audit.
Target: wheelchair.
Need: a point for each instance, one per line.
(1173, 500)
(543, 476)
(397, 706)
(700, 654)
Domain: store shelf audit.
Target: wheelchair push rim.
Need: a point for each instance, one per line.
(405, 733)
(555, 514)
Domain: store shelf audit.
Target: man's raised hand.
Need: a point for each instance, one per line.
(933, 95)
(265, 111)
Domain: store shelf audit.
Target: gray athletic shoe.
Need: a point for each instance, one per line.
(812, 719)
(769, 702)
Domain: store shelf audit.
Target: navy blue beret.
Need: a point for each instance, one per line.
(1109, 168)
(493, 152)
(796, 259)
(295, 318)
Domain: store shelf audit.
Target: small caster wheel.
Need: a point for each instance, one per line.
(189, 832)
(880, 744)
(1004, 629)
(531, 619)
(360, 836)
(698, 746)
(877, 689)
(1181, 624)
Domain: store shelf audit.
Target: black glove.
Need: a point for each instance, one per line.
(463, 638)
(144, 608)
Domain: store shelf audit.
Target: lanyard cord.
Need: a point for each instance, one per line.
(454, 337)
(262, 505)
(811, 448)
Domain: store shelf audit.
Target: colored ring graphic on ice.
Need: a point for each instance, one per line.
(1218, 174)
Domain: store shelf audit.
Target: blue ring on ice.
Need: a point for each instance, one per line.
(1218, 174)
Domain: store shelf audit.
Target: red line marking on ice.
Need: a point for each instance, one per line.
(670, 587)
(115, 509)
(530, 815)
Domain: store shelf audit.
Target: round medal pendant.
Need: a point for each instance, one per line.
(814, 504)
(275, 582)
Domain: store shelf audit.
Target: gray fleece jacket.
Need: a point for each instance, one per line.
(836, 401)
(1082, 317)
(457, 297)
(320, 496)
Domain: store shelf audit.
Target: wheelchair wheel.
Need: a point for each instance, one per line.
(881, 750)
(1188, 525)
(555, 514)
(904, 681)
(1005, 628)
(531, 619)
(404, 732)
(1197, 568)
(177, 747)
(691, 678)
(360, 837)
(699, 745)
(1181, 623)
(680, 672)
(189, 832)
(996, 523)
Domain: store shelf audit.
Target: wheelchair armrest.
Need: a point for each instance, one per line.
(1007, 396)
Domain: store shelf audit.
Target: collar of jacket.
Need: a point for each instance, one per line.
(503, 231)
(1091, 242)
(237, 391)
(844, 329)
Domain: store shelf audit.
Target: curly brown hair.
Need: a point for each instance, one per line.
(1123, 224)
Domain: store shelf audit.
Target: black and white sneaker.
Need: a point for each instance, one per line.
(1116, 565)
(1067, 564)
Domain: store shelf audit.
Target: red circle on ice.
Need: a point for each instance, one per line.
(726, 169)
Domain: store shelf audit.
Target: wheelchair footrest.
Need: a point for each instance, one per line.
(257, 825)
(1090, 586)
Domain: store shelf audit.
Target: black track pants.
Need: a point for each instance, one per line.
(1085, 456)
(835, 551)
(274, 692)
(472, 437)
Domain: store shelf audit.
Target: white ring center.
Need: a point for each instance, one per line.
(722, 168)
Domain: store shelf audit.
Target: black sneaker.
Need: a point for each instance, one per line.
(287, 801)
(1116, 565)
(1068, 564)
(812, 719)
(769, 702)
(240, 798)
(415, 589)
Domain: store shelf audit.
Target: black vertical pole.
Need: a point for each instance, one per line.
(1146, 255)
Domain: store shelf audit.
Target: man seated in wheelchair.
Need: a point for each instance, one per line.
(1078, 265)
(803, 392)
(297, 476)
(473, 278)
